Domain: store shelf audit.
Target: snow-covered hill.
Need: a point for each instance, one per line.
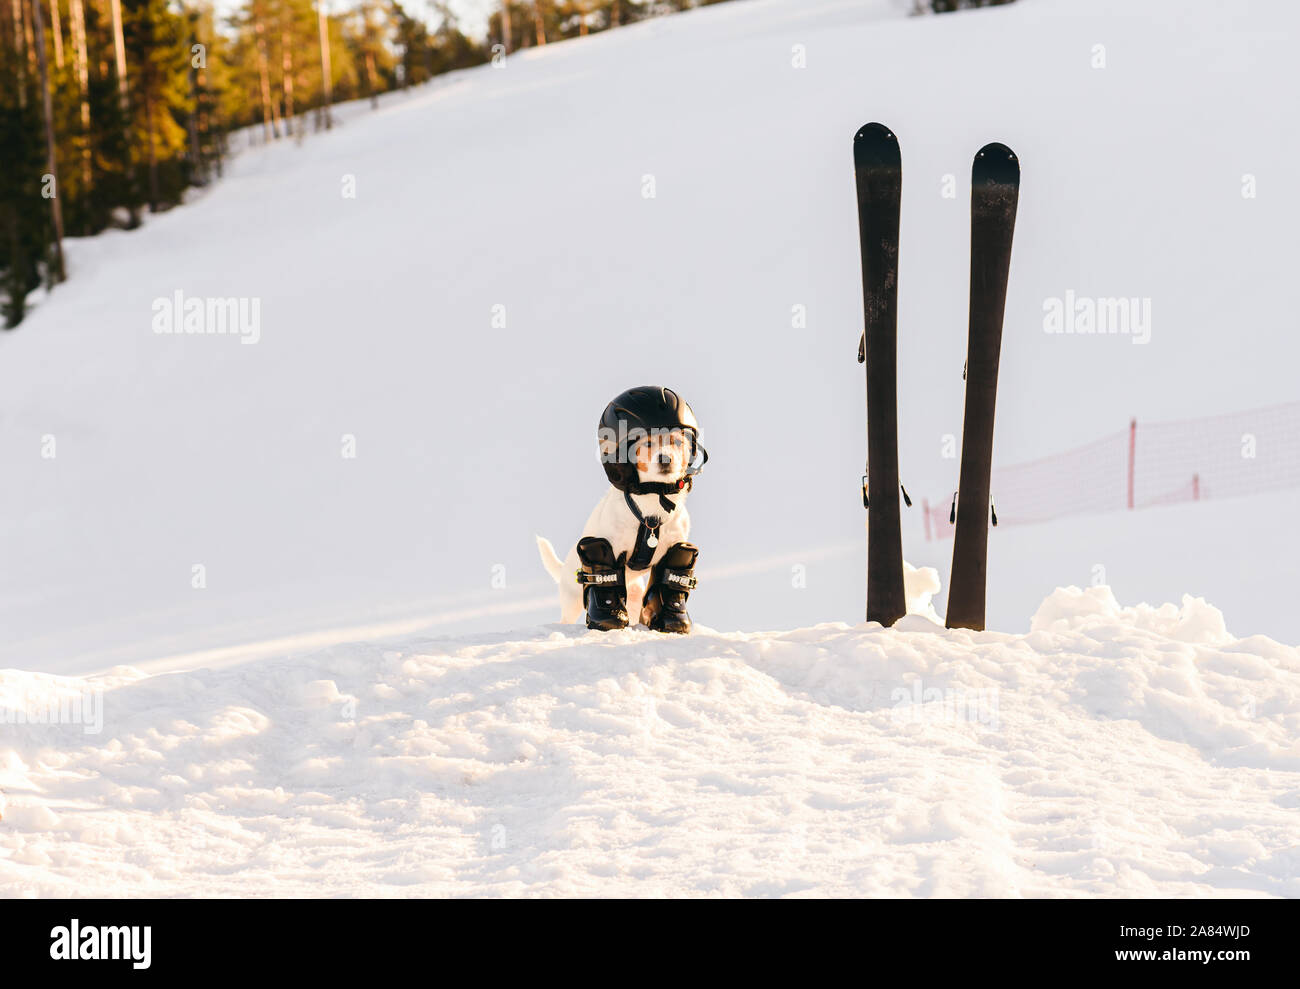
(183, 518)
(522, 187)
(1126, 751)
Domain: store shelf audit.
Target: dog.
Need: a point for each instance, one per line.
(662, 458)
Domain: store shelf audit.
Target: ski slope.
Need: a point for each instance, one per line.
(521, 187)
(1110, 751)
(322, 673)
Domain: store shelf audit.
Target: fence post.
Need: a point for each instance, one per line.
(1132, 454)
(1196, 487)
(925, 511)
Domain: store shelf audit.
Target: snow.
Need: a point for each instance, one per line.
(316, 673)
(1111, 750)
(521, 187)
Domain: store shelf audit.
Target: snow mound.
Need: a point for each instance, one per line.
(1112, 750)
(1070, 607)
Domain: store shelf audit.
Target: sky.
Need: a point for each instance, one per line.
(473, 15)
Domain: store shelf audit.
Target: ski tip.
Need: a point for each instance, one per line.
(996, 163)
(875, 131)
(875, 142)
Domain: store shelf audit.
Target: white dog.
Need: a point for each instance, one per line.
(633, 559)
(659, 459)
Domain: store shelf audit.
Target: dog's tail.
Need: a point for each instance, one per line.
(553, 564)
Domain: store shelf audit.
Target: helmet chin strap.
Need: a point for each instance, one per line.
(692, 471)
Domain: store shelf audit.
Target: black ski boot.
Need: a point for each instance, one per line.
(664, 609)
(603, 589)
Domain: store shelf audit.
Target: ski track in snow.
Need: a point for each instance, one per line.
(1118, 751)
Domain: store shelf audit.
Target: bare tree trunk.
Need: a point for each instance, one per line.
(119, 53)
(582, 20)
(286, 69)
(51, 157)
(31, 44)
(616, 13)
(15, 14)
(327, 84)
(211, 124)
(505, 25)
(538, 24)
(57, 31)
(83, 81)
(16, 11)
(200, 176)
(153, 155)
(370, 79)
(270, 115)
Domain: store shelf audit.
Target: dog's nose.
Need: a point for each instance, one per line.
(666, 459)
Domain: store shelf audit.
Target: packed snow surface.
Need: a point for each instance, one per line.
(1119, 751)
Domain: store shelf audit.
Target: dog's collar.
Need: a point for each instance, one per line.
(647, 533)
(664, 503)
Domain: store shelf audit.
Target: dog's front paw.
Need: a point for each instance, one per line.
(665, 602)
(605, 618)
(602, 580)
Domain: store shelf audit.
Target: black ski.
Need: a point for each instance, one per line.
(995, 190)
(879, 173)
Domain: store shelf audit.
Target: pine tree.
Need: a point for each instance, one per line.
(50, 181)
(158, 58)
(24, 218)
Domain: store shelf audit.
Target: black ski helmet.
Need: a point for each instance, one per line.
(630, 418)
